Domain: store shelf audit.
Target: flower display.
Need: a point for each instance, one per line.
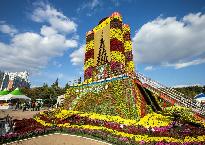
(116, 23)
(128, 46)
(116, 66)
(89, 63)
(88, 73)
(89, 36)
(128, 56)
(102, 25)
(89, 45)
(117, 56)
(116, 15)
(126, 36)
(89, 54)
(155, 120)
(130, 66)
(152, 128)
(116, 45)
(120, 46)
(116, 33)
(126, 28)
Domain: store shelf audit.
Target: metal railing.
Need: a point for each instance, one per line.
(180, 98)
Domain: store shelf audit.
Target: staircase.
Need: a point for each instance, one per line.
(170, 93)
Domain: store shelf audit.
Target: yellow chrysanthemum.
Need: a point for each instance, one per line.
(89, 45)
(128, 46)
(116, 33)
(102, 25)
(130, 66)
(89, 63)
(117, 56)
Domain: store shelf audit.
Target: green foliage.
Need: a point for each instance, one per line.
(114, 99)
(191, 91)
(49, 93)
(180, 113)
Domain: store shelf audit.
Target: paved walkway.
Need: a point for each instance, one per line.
(59, 139)
(17, 114)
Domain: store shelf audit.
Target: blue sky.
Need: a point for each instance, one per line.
(47, 37)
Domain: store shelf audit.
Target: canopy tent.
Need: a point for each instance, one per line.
(16, 94)
(200, 97)
(4, 92)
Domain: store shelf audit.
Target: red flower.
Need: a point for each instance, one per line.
(116, 45)
(89, 54)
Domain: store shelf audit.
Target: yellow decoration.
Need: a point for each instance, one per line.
(87, 81)
(126, 28)
(130, 66)
(89, 45)
(116, 33)
(102, 25)
(117, 56)
(89, 63)
(154, 120)
(150, 120)
(128, 46)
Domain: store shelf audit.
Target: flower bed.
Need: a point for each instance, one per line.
(152, 129)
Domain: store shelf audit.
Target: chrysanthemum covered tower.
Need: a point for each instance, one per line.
(108, 49)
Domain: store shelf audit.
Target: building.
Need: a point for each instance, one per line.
(108, 49)
(12, 80)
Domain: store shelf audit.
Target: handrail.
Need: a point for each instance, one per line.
(179, 97)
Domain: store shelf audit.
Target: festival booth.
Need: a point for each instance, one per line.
(8, 101)
(200, 98)
(3, 102)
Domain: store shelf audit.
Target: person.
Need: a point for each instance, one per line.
(17, 105)
(24, 106)
(38, 106)
(33, 106)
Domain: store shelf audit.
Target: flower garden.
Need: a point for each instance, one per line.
(154, 128)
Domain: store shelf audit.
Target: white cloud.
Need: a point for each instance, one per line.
(186, 64)
(77, 57)
(32, 51)
(93, 4)
(57, 64)
(7, 29)
(90, 6)
(149, 68)
(47, 31)
(57, 20)
(171, 42)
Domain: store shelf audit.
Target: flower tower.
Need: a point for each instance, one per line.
(109, 41)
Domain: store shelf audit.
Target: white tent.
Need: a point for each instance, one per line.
(10, 96)
(60, 100)
(6, 100)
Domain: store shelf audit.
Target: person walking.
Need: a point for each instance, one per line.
(24, 106)
(38, 106)
(17, 105)
(33, 106)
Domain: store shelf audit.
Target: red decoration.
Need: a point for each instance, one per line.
(89, 54)
(90, 37)
(88, 73)
(116, 45)
(116, 66)
(127, 37)
(128, 56)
